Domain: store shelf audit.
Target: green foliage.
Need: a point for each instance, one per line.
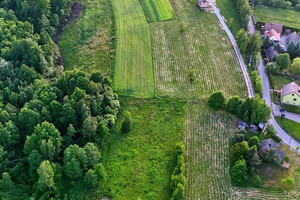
(293, 49)
(191, 75)
(286, 158)
(126, 125)
(100, 172)
(270, 157)
(257, 180)
(295, 67)
(233, 105)
(254, 141)
(257, 82)
(288, 183)
(283, 61)
(239, 172)
(244, 11)
(46, 176)
(238, 150)
(252, 158)
(217, 100)
(267, 42)
(242, 40)
(255, 43)
(177, 178)
(90, 178)
(272, 68)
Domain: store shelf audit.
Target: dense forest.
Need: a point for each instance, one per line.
(52, 123)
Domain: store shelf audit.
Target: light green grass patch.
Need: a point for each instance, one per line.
(133, 70)
(158, 10)
(86, 43)
(202, 47)
(228, 10)
(139, 164)
(289, 18)
(290, 127)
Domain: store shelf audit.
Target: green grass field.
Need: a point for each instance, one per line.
(203, 47)
(290, 127)
(228, 10)
(133, 74)
(280, 81)
(139, 164)
(158, 10)
(86, 44)
(207, 156)
(289, 18)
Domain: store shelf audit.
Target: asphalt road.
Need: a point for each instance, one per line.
(287, 139)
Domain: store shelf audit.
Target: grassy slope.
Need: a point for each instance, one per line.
(227, 8)
(133, 69)
(203, 47)
(86, 44)
(289, 18)
(290, 126)
(139, 164)
(158, 10)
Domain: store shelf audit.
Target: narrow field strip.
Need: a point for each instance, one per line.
(158, 10)
(202, 47)
(133, 69)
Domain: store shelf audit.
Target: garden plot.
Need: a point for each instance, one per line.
(133, 73)
(158, 10)
(201, 46)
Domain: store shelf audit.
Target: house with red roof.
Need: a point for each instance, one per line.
(273, 30)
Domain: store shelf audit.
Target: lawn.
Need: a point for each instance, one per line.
(133, 74)
(291, 108)
(158, 10)
(207, 156)
(139, 164)
(289, 18)
(202, 47)
(280, 81)
(290, 127)
(228, 10)
(86, 44)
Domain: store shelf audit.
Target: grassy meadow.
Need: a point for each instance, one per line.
(201, 46)
(289, 18)
(280, 81)
(158, 10)
(228, 10)
(87, 42)
(133, 74)
(139, 164)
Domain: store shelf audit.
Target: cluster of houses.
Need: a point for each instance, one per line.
(274, 31)
(266, 145)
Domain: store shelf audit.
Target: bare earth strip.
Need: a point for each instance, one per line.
(203, 47)
(133, 70)
(207, 159)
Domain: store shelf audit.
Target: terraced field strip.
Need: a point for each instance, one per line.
(258, 194)
(158, 10)
(203, 47)
(133, 70)
(207, 152)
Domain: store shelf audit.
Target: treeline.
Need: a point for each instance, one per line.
(290, 4)
(178, 179)
(244, 10)
(254, 110)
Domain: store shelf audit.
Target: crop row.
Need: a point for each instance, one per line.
(158, 10)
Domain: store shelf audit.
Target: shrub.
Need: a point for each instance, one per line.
(126, 125)
(191, 75)
(286, 158)
(239, 171)
(254, 141)
(217, 100)
(257, 181)
(288, 183)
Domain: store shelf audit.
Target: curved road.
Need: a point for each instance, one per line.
(287, 139)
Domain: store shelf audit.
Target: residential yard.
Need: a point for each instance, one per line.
(133, 73)
(280, 81)
(289, 18)
(139, 164)
(207, 156)
(87, 42)
(158, 10)
(290, 108)
(228, 10)
(201, 46)
(290, 127)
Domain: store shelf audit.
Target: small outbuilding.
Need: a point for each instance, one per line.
(203, 4)
(253, 128)
(242, 125)
(261, 125)
(285, 165)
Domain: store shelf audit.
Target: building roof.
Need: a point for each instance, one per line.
(273, 34)
(285, 165)
(271, 52)
(293, 36)
(291, 88)
(203, 3)
(272, 25)
(261, 125)
(270, 144)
